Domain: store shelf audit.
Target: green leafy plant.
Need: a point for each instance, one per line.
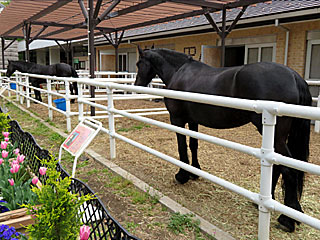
(4, 122)
(57, 215)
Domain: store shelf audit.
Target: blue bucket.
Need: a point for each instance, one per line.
(13, 86)
(60, 103)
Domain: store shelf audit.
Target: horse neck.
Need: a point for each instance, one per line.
(165, 66)
(23, 67)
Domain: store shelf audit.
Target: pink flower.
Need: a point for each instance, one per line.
(5, 134)
(15, 168)
(84, 232)
(6, 139)
(16, 151)
(14, 162)
(11, 181)
(4, 145)
(42, 170)
(35, 180)
(20, 158)
(1, 161)
(4, 154)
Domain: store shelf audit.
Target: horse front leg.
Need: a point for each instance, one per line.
(72, 92)
(193, 145)
(182, 176)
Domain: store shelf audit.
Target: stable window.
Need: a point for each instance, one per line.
(313, 60)
(260, 53)
(122, 63)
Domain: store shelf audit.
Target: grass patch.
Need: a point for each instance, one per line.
(180, 223)
(131, 226)
(134, 128)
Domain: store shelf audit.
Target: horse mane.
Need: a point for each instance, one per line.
(23, 66)
(174, 58)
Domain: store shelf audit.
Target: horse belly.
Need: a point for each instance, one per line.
(217, 117)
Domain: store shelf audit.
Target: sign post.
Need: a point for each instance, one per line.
(79, 139)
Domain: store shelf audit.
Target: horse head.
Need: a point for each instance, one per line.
(10, 69)
(146, 71)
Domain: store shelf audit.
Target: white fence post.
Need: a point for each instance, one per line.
(80, 103)
(317, 122)
(27, 91)
(66, 83)
(18, 77)
(49, 99)
(111, 124)
(21, 91)
(269, 122)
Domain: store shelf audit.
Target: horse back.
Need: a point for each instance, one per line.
(260, 81)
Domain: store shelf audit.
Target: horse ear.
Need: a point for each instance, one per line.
(152, 47)
(140, 51)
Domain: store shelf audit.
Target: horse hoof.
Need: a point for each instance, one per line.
(193, 176)
(181, 178)
(286, 223)
(72, 101)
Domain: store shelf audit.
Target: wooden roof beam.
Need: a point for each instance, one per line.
(83, 9)
(134, 8)
(165, 19)
(42, 13)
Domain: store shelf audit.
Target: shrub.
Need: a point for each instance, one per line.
(57, 215)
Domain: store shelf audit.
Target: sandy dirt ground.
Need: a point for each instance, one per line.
(229, 211)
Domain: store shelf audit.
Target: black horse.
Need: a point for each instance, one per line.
(59, 70)
(264, 81)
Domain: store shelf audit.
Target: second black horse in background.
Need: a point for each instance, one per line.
(58, 69)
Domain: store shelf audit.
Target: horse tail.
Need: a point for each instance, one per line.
(299, 135)
(74, 73)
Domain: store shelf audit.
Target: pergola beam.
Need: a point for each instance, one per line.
(134, 8)
(243, 3)
(42, 13)
(107, 11)
(165, 19)
(38, 34)
(199, 3)
(83, 9)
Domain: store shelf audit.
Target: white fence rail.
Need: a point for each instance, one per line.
(22, 91)
(266, 154)
(269, 110)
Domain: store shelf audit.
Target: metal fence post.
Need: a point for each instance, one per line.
(49, 99)
(269, 122)
(111, 124)
(67, 88)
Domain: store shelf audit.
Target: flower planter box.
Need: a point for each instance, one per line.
(16, 218)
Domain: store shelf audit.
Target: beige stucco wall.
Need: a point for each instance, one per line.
(297, 42)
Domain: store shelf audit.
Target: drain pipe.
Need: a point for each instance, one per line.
(287, 40)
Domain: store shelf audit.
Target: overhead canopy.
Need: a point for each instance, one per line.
(66, 19)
